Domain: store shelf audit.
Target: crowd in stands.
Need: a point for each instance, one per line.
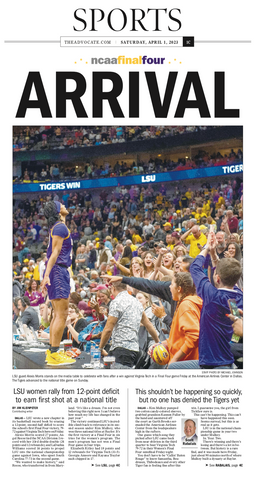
(143, 235)
(64, 137)
(59, 171)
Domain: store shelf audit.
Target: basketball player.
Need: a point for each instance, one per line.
(57, 279)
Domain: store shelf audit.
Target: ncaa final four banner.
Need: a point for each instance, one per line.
(101, 98)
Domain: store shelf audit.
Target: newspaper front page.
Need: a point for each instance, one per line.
(131, 64)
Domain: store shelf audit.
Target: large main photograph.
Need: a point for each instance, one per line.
(127, 247)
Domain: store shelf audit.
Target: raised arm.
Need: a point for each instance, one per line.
(166, 271)
(203, 285)
(158, 264)
(226, 227)
(186, 234)
(123, 269)
(157, 288)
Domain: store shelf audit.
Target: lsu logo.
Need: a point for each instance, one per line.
(148, 178)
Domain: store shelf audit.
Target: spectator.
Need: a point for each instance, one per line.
(103, 295)
(196, 239)
(104, 254)
(81, 258)
(183, 341)
(94, 329)
(92, 256)
(220, 244)
(29, 316)
(117, 257)
(74, 323)
(123, 323)
(145, 340)
(34, 294)
(159, 234)
(16, 289)
(164, 262)
(232, 221)
(216, 329)
(42, 265)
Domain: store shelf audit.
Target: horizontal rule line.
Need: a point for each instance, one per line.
(222, 41)
(32, 41)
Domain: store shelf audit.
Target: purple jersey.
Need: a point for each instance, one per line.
(65, 257)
